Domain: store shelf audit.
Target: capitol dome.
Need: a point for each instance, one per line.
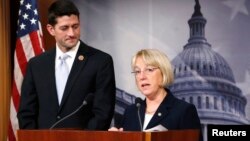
(205, 79)
(198, 58)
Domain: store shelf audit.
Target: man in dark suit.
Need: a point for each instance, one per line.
(91, 74)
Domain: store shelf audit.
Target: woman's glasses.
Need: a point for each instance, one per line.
(146, 71)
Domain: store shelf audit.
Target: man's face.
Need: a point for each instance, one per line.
(66, 31)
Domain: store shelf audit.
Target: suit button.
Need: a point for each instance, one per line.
(58, 117)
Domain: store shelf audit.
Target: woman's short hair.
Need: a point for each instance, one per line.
(156, 58)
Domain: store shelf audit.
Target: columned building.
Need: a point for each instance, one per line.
(204, 78)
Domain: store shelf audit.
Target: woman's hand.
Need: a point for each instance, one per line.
(115, 129)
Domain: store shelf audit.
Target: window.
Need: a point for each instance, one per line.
(215, 103)
(191, 100)
(207, 102)
(199, 102)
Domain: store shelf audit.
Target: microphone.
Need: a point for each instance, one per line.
(138, 102)
(85, 102)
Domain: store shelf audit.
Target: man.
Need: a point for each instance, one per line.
(87, 100)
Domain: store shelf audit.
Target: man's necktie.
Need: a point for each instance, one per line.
(62, 73)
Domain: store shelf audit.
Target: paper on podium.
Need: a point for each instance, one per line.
(156, 128)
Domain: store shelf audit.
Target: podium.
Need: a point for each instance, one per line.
(81, 135)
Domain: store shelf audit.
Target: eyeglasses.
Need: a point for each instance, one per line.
(147, 71)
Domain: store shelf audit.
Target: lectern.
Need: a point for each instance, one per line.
(80, 135)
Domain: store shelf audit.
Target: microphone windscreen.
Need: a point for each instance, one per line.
(88, 99)
(138, 101)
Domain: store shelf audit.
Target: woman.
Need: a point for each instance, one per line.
(160, 110)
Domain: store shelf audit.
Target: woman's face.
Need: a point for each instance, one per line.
(148, 78)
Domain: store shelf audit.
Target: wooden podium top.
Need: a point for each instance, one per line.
(80, 135)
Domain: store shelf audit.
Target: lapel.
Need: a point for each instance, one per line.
(51, 87)
(80, 60)
(162, 111)
(142, 113)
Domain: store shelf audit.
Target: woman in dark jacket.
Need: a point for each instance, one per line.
(160, 110)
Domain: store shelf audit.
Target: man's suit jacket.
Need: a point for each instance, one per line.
(172, 113)
(91, 73)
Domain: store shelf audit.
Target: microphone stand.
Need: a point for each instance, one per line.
(62, 119)
(138, 105)
(88, 99)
